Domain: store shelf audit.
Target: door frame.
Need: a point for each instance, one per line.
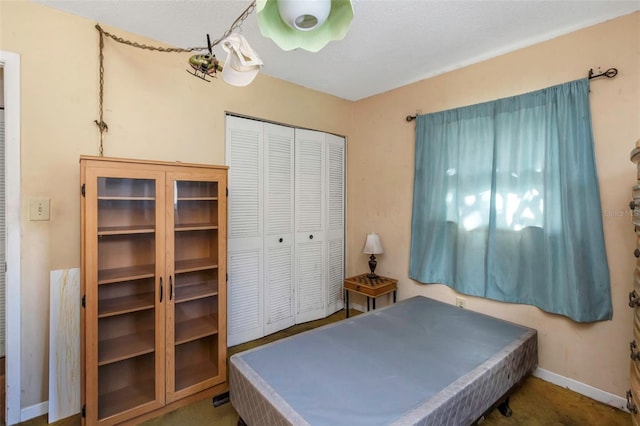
(10, 62)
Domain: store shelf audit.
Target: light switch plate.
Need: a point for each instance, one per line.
(39, 208)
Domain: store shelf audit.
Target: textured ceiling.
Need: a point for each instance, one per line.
(391, 43)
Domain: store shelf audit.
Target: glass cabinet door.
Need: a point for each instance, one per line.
(194, 304)
(128, 293)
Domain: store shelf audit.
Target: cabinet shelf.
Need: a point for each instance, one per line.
(125, 347)
(125, 198)
(195, 227)
(197, 198)
(191, 265)
(112, 403)
(193, 329)
(124, 230)
(128, 273)
(125, 304)
(196, 291)
(193, 374)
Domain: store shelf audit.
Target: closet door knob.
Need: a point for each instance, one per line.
(311, 238)
(280, 240)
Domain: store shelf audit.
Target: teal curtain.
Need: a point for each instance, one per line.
(506, 203)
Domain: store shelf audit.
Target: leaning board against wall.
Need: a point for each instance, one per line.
(286, 226)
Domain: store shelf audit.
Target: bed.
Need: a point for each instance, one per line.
(416, 362)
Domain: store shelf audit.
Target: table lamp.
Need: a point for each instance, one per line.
(372, 246)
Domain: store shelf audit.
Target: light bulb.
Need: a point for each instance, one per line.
(304, 15)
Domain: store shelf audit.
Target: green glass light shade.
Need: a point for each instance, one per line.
(334, 28)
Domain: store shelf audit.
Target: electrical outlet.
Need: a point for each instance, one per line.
(461, 302)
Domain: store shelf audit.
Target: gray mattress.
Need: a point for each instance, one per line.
(417, 362)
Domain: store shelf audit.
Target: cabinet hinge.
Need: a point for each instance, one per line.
(83, 189)
(227, 191)
(226, 277)
(84, 301)
(84, 411)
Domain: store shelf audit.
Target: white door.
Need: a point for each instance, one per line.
(335, 161)
(3, 237)
(10, 68)
(245, 264)
(310, 235)
(278, 224)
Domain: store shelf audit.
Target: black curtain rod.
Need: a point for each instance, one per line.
(610, 73)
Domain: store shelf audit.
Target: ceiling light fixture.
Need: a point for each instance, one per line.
(304, 24)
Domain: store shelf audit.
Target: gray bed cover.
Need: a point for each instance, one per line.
(416, 362)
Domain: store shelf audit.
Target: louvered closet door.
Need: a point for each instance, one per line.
(278, 223)
(245, 230)
(335, 157)
(310, 208)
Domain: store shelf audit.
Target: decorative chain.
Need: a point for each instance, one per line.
(237, 23)
(147, 47)
(101, 124)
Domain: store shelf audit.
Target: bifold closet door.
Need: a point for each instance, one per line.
(261, 239)
(245, 263)
(335, 166)
(310, 207)
(286, 226)
(278, 226)
(320, 165)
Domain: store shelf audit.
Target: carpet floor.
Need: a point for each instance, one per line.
(534, 403)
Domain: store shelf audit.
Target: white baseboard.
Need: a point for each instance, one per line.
(582, 388)
(34, 411)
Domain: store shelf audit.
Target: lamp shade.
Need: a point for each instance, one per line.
(372, 244)
(305, 29)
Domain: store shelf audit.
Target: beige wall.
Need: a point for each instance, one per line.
(380, 182)
(154, 110)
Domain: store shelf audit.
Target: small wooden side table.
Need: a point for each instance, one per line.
(369, 287)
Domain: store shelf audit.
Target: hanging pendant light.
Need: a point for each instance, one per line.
(304, 24)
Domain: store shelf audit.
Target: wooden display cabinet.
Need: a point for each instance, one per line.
(153, 285)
